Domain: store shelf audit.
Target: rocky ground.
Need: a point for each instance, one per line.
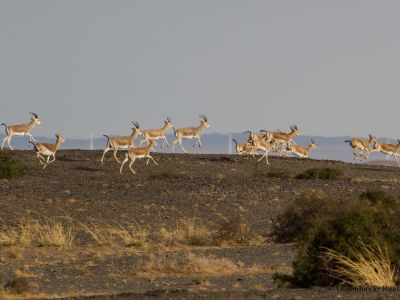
(206, 191)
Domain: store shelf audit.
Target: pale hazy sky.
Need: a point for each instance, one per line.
(331, 67)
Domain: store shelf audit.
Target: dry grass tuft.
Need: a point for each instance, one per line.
(370, 267)
(36, 232)
(186, 232)
(113, 236)
(54, 234)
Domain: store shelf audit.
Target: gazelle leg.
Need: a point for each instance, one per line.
(198, 142)
(130, 165)
(47, 161)
(397, 160)
(115, 155)
(261, 157)
(173, 145)
(165, 141)
(54, 158)
(183, 149)
(123, 163)
(151, 157)
(104, 153)
(9, 142)
(4, 140)
(40, 158)
(31, 138)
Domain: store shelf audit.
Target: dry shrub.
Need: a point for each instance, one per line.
(186, 232)
(235, 232)
(108, 235)
(368, 266)
(324, 173)
(338, 225)
(10, 167)
(38, 232)
(185, 265)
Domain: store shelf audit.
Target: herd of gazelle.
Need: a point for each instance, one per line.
(362, 148)
(275, 141)
(264, 141)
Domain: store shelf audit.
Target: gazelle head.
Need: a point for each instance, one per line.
(204, 121)
(152, 144)
(35, 119)
(136, 128)
(168, 123)
(312, 145)
(267, 135)
(60, 138)
(295, 130)
(374, 141)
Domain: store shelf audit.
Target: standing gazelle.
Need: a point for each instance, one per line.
(190, 133)
(46, 149)
(123, 142)
(135, 153)
(155, 134)
(21, 129)
(389, 149)
(300, 151)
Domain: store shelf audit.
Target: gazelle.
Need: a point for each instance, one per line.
(245, 148)
(389, 149)
(190, 133)
(46, 149)
(265, 145)
(300, 151)
(283, 138)
(123, 142)
(155, 134)
(256, 136)
(135, 153)
(361, 148)
(21, 129)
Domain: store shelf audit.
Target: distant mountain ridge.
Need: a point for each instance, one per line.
(332, 148)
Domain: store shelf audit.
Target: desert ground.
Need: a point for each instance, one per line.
(195, 226)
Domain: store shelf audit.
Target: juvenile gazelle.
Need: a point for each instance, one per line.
(190, 133)
(123, 142)
(245, 148)
(361, 148)
(46, 149)
(300, 151)
(135, 153)
(155, 134)
(389, 149)
(21, 129)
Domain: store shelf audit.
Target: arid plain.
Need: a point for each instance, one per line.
(196, 226)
